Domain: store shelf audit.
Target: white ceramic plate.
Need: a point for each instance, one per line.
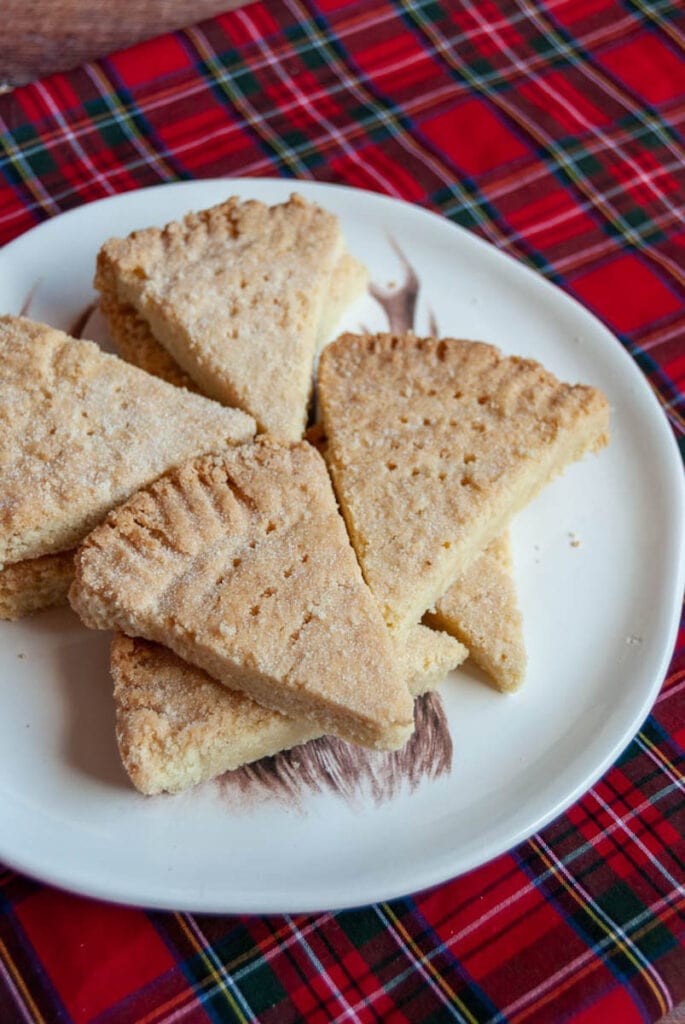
(600, 619)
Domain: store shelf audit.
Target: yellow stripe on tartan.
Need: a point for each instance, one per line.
(435, 974)
(654, 15)
(214, 974)
(223, 80)
(110, 96)
(19, 981)
(161, 1012)
(660, 756)
(385, 116)
(611, 933)
(563, 160)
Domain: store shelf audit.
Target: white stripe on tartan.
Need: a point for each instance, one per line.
(672, 689)
(384, 989)
(593, 252)
(539, 170)
(193, 997)
(288, 154)
(260, 955)
(567, 51)
(676, 330)
(149, 156)
(647, 11)
(596, 132)
(552, 980)
(612, 927)
(585, 206)
(589, 147)
(634, 837)
(224, 981)
(21, 1005)
(303, 101)
(418, 963)
(428, 51)
(555, 150)
(32, 183)
(70, 138)
(658, 759)
(541, 879)
(347, 1013)
(351, 83)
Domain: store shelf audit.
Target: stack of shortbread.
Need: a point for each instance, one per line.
(250, 615)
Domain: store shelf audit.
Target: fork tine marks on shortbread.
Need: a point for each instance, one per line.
(433, 447)
(240, 563)
(82, 431)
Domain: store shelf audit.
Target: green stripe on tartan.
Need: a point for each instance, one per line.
(563, 163)
(385, 118)
(224, 83)
(569, 50)
(123, 125)
(18, 173)
(659, 13)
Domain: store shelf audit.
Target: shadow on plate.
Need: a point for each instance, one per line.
(89, 741)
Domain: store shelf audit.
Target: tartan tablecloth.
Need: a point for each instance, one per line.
(551, 130)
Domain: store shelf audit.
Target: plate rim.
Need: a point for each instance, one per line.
(422, 877)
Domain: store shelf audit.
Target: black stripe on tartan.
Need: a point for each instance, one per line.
(443, 196)
(33, 976)
(579, 916)
(674, 806)
(254, 978)
(366, 934)
(410, 993)
(287, 953)
(472, 996)
(234, 67)
(136, 114)
(626, 913)
(555, 166)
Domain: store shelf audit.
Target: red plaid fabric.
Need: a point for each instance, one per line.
(552, 130)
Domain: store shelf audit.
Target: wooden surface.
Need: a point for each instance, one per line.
(40, 36)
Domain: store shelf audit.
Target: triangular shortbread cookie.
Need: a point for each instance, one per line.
(433, 447)
(177, 727)
(82, 431)
(136, 343)
(481, 610)
(240, 563)
(235, 294)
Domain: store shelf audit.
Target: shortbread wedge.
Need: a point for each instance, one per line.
(235, 294)
(481, 610)
(82, 431)
(177, 727)
(240, 563)
(433, 446)
(35, 583)
(136, 343)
